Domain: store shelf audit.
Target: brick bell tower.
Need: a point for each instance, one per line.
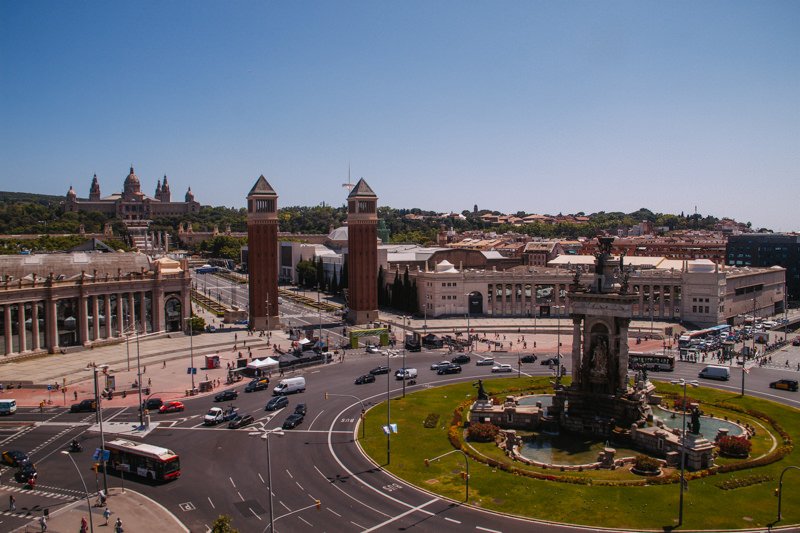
(362, 254)
(262, 258)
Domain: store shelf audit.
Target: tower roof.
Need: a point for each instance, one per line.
(362, 190)
(262, 187)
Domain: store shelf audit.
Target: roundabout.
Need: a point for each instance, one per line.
(734, 494)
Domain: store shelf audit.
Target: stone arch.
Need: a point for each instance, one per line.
(475, 303)
(173, 314)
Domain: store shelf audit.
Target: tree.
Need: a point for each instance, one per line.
(345, 280)
(223, 525)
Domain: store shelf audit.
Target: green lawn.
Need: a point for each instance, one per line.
(648, 507)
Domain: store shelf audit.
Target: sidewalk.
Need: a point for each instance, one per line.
(137, 512)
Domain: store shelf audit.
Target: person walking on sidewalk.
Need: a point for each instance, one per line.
(84, 525)
(118, 526)
(12, 503)
(106, 515)
(43, 523)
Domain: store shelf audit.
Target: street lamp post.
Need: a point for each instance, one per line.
(558, 309)
(389, 409)
(683, 383)
(191, 348)
(780, 489)
(97, 399)
(404, 354)
(466, 463)
(86, 491)
(265, 436)
(139, 378)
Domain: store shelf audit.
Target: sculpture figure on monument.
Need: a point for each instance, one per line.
(599, 358)
(694, 426)
(482, 396)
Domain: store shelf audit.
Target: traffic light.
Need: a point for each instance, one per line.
(95, 466)
(318, 504)
(326, 395)
(777, 492)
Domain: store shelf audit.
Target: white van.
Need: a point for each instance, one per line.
(8, 407)
(406, 373)
(290, 385)
(716, 372)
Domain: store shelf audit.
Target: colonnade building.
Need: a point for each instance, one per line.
(693, 291)
(55, 302)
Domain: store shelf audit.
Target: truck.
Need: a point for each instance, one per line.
(217, 415)
(290, 385)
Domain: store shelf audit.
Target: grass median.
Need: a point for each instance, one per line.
(706, 506)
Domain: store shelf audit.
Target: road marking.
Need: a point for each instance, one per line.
(301, 486)
(232, 483)
(359, 526)
(401, 515)
(315, 419)
(452, 520)
(286, 506)
(486, 529)
(240, 495)
(350, 495)
(212, 503)
(290, 474)
(188, 506)
(261, 478)
(334, 512)
(254, 513)
(304, 520)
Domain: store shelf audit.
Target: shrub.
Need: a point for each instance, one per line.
(645, 463)
(482, 432)
(734, 446)
(431, 420)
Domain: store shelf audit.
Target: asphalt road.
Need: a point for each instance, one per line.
(225, 471)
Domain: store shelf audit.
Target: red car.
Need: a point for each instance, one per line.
(171, 407)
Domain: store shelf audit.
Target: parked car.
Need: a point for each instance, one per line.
(380, 370)
(292, 421)
(452, 368)
(547, 361)
(461, 359)
(241, 421)
(372, 349)
(15, 458)
(366, 378)
(528, 359)
(502, 368)
(257, 384)
(300, 409)
(83, 406)
(277, 402)
(435, 366)
(486, 361)
(171, 407)
(226, 396)
(784, 384)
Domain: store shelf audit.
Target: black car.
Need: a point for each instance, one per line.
(257, 384)
(15, 458)
(452, 368)
(785, 384)
(83, 406)
(226, 395)
(292, 421)
(549, 361)
(413, 347)
(24, 473)
(366, 378)
(300, 409)
(380, 370)
(276, 403)
(152, 404)
(241, 421)
(528, 359)
(460, 359)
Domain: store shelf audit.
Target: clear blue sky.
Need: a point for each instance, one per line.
(542, 107)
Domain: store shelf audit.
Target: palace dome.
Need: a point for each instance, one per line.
(132, 185)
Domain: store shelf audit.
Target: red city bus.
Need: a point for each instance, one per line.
(144, 460)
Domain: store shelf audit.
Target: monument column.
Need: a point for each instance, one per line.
(35, 326)
(262, 255)
(51, 321)
(577, 349)
(7, 332)
(107, 313)
(362, 254)
(95, 318)
(23, 344)
(132, 313)
(83, 319)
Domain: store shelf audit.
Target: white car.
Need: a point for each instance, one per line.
(502, 368)
(486, 361)
(435, 366)
(373, 349)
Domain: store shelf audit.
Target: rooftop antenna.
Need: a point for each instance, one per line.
(349, 185)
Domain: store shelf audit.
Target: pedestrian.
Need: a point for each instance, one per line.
(43, 523)
(144, 369)
(84, 525)
(164, 363)
(149, 382)
(12, 503)
(118, 526)
(106, 515)
(75, 393)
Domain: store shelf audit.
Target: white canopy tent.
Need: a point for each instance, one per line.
(263, 364)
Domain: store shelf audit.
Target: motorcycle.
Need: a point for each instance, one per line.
(75, 446)
(412, 382)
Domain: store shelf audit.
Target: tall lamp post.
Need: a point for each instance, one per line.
(97, 399)
(683, 383)
(86, 491)
(404, 355)
(265, 436)
(779, 490)
(466, 463)
(191, 348)
(558, 309)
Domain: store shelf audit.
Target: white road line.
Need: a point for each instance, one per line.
(261, 478)
(487, 529)
(315, 419)
(359, 526)
(453, 520)
(334, 512)
(232, 483)
(254, 513)
(240, 495)
(301, 486)
(401, 515)
(212, 503)
(290, 474)
(286, 506)
(304, 520)
(350, 495)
